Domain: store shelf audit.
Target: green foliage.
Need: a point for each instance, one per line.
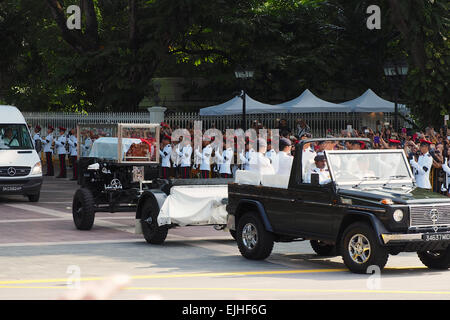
(428, 86)
(291, 44)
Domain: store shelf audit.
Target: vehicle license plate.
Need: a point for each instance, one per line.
(11, 188)
(436, 236)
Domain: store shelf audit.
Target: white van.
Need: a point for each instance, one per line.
(20, 165)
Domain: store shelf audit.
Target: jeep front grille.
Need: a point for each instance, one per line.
(429, 215)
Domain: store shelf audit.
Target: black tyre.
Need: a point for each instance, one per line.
(153, 233)
(438, 260)
(34, 197)
(323, 249)
(360, 248)
(233, 234)
(83, 209)
(254, 241)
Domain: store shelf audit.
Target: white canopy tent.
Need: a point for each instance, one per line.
(234, 106)
(307, 102)
(371, 102)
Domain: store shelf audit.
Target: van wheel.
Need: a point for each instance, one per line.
(254, 241)
(34, 197)
(360, 248)
(83, 209)
(439, 260)
(153, 233)
(323, 249)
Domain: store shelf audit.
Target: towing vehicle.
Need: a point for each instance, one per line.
(371, 209)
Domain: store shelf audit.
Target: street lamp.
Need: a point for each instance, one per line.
(242, 75)
(396, 71)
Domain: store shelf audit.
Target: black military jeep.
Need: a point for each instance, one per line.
(371, 209)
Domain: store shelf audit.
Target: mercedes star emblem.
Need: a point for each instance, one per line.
(11, 171)
(434, 215)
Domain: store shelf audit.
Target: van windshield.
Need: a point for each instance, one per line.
(15, 136)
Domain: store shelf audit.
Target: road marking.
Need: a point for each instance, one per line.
(34, 220)
(60, 219)
(82, 242)
(59, 214)
(292, 290)
(61, 243)
(209, 245)
(185, 275)
(55, 202)
(252, 290)
(200, 275)
(37, 209)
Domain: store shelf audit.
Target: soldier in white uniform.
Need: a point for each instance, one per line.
(165, 154)
(47, 142)
(422, 166)
(320, 169)
(176, 159)
(73, 152)
(258, 162)
(185, 159)
(271, 154)
(446, 168)
(285, 158)
(224, 160)
(308, 155)
(85, 149)
(245, 159)
(60, 144)
(37, 140)
(205, 157)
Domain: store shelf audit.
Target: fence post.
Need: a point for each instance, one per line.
(156, 114)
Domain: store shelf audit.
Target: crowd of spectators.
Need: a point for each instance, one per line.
(382, 137)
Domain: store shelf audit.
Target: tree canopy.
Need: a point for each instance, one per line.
(291, 44)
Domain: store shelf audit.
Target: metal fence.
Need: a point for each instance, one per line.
(70, 120)
(320, 123)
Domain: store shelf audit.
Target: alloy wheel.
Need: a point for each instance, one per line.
(359, 248)
(250, 236)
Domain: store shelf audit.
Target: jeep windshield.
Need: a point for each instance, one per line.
(374, 168)
(15, 136)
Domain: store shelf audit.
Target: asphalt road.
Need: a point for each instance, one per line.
(43, 256)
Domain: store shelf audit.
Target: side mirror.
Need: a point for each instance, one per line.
(315, 180)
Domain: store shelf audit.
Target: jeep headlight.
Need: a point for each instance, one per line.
(94, 166)
(398, 215)
(37, 169)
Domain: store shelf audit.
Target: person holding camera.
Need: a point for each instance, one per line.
(437, 174)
